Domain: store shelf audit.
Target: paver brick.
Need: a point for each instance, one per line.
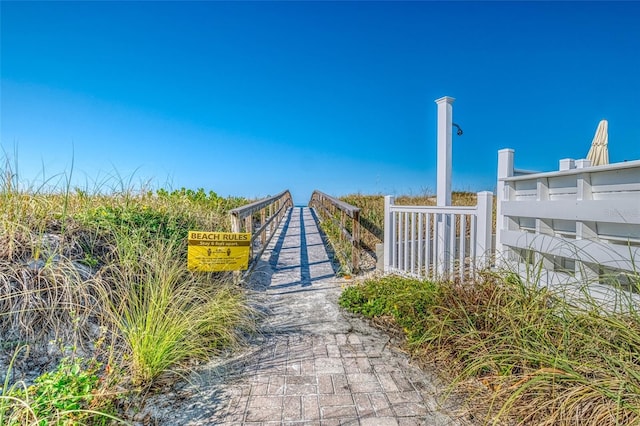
(329, 366)
(387, 382)
(365, 387)
(398, 397)
(307, 367)
(276, 385)
(409, 409)
(310, 407)
(364, 406)
(340, 384)
(301, 380)
(364, 366)
(325, 384)
(379, 421)
(265, 401)
(292, 408)
(379, 401)
(354, 339)
(327, 400)
(262, 414)
(333, 351)
(338, 412)
(260, 389)
(294, 368)
(412, 421)
(361, 378)
(304, 389)
(401, 381)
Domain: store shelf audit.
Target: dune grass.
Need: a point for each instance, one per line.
(521, 353)
(102, 277)
(166, 314)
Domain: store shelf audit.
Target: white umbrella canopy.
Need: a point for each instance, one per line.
(599, 152)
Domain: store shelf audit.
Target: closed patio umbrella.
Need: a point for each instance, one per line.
(599, 152)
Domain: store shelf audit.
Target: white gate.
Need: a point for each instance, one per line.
(438, 242)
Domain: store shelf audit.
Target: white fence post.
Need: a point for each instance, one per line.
(543, 227)
(444, 139)
(503, 192)
(567, 164)
(483, 229)
(389, 243)
(585, 230)
(443, 183)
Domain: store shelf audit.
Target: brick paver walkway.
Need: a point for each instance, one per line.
(314, 364)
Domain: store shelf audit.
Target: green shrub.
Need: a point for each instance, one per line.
(406, 300)
(69, 395)
(152, 223)
(535, 358)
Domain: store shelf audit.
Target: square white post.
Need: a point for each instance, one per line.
(567, 164)
(503, 190)
(444, 135)
(484, 229)
(586, 230)
(443, 184)
(583, 163)
(389, 243)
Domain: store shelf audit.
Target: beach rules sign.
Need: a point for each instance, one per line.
(218, 251)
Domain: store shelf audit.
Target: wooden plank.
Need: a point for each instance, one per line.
(251, 208)
(347, 208)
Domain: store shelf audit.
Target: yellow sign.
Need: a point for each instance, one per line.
(218, 251)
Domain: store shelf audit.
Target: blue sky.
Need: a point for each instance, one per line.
(250, 98)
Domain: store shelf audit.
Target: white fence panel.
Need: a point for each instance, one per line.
(438, 242)
(580, 223)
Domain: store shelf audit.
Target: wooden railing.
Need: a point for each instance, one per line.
(261, 218)
(343, 215)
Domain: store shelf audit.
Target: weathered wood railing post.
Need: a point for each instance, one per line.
(328, 208)
(242, 217)
(355, 234)
(263, 216)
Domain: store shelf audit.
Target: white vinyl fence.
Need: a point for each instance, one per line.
(578, 224)
(437, 242)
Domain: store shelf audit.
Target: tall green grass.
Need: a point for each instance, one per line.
(101, 276)
(524, 354)
(167, 315)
